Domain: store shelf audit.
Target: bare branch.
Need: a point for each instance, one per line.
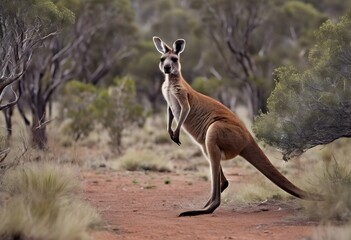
(10, 104)
(3, 154)
(42, 124)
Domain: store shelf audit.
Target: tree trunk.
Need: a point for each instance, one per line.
(39, 137)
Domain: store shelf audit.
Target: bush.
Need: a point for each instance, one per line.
(333, 181)
(43, 203)
(115, 108)
(78, 106)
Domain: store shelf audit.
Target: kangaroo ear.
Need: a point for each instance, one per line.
(160, 45)
(178, 46)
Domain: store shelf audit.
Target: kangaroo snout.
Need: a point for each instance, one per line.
(167, 69)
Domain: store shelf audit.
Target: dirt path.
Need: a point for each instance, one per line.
(136, 205)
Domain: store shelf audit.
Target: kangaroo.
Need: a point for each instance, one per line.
(216, 129)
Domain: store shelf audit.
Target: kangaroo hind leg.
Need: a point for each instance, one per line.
(224, 181)
(214, 155)
(224, 185)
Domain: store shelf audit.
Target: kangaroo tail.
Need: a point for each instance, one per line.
(254, 155)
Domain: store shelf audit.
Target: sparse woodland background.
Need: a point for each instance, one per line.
(76, 70)
(78, 55)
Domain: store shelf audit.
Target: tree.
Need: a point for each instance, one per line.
(312, 107)
(42, 16)
(86, 50)
(251, 40)
(147, 74)
(110, 33)
(231, 25)
(22, 32)
(334, 8)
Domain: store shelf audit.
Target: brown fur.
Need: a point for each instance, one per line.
(214, 127)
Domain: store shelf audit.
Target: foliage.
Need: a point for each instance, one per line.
(206, 86)
(87, 49)
(43, 203)
(147, 75)
(32, 11)
(111, 33)
(22, 32)
(312, 107)
(333, 8)
(301, 16)
(117, 110)
(252, 38)
(170, 20)
(79, 103)
(97, 40)
(114, 107)
(24, 27)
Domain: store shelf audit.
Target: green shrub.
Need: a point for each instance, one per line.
(117, 110)
(114, 108)
(78, 106)
(206, 86)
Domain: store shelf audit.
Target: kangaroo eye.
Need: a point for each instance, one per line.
(162, 59)
(174, 59)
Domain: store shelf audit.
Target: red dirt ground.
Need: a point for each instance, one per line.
(138, 205)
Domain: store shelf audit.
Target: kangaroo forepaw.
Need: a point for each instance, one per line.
(174, 136)
(176, 140)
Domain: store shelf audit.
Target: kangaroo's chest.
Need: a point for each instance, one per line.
(169, 92)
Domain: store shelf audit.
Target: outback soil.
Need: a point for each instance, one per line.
(145, 205)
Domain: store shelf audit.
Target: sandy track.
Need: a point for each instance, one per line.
(137, 205)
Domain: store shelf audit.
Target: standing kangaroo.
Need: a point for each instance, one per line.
(214, 127)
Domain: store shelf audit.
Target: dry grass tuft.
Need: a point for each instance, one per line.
(258, 189)
(43, 203)
(332, 233)
(333, 181)
(145, 160)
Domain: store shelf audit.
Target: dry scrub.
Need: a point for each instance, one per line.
(144, 160)
(42, 201)
(333, 181)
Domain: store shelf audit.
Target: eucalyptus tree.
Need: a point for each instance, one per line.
(252, 37)
(313, 106)
(24, 27)
(86, 49)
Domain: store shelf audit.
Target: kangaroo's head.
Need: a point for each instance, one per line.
(169, 63)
